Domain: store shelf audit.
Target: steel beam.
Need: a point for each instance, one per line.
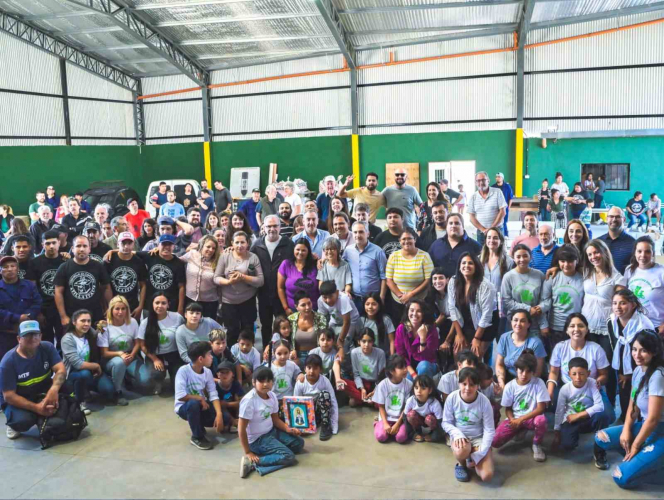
(270, 61)
(48, 43)
(139, 117)
(192, 3)
(524, 23)
(650, 132)
(235, 19)
(629, 11)
(65, 100)
(433, 39)
(213, 41)
(207, 114)
(61, 15)
(429, 6)
(511, 26)
(123, 17)
(331, 17)
(354, 107)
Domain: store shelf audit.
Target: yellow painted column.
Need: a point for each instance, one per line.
(208, 164)
(355, 147)
(518, 170)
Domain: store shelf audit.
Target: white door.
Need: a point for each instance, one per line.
(439, 170)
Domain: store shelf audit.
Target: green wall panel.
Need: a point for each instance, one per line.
(172, 161)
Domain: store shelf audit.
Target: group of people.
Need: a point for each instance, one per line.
(406, 320)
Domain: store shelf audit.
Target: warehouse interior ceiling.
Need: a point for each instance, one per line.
(146, 38)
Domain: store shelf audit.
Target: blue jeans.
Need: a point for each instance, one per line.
(198, 419)
(116, 369)
(19, 419)
(507, 216)
(638, 220)
(276, 450)
(425, 368)
(569, 433)
(83, 381)
(645, 466)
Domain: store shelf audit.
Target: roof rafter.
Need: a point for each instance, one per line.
(428, 6)
(331, 17)
(628, 11)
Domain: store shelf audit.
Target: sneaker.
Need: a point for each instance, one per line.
(600, 460)
(461, 473)
(119, 399)
(202, 443)
(538, 453)
(246, 466)
(521, 436)
(325, 433)
(12, 434)
(85, 409)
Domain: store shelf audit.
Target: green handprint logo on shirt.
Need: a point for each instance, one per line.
(366, 369)
(523, 404)
(163, 339)
(266, 412)
(527, 296)
(282, 384)
(395, 400)
(639, 292)
(565, 299)
(191, 389)
(578, 407)
(122, 345)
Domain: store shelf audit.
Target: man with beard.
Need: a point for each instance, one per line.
(19, 301)
(128, 275)
(435, 230)
(42, 273)
(191, 233)
(367, 194)
(445, 251)
(171, 208)
(41, 225)
(166, 273)
(75, 220)
(315, 236)
(135, 217)
(542, 254)
(22, 248)
(323, 199)
(404, 197)
(486, 207)
(97, 248)
(388, 240)
(31, 369)
(34, 208)
(118, 226)
(361, 211)
(271, 250)
(285, 211)
(82, 283)
(619, 242)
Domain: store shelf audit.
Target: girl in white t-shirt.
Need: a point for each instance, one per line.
(468, 419)
(645, 278)
(284, 370)
(281, 330)
(390, 396)
(424, 413)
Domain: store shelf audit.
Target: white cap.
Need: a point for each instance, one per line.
(126, 236)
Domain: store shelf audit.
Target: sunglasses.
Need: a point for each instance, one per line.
(400, 175)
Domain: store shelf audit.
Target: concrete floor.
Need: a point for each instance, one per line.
(143, 451)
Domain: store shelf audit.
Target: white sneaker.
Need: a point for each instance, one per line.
(85, 409)
(12, 434)
(246, 466)
(538, 453)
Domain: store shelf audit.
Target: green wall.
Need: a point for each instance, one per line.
(644, 154)
(171, 161)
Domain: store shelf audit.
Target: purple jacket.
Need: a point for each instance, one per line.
(407, 344)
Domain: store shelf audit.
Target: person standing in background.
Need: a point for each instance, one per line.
(560, 185)
(451, 194)
(222, 196)
(543, 197)
(323, 200)
(135, 218)
(159, 198)
(404, 197)
(599, 196)
(33, 209)
(486, 207)
(248, 208)
(52, 199)
(268, 205)
(508, 194)
(189, 198)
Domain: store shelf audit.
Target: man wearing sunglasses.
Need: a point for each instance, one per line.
(404, 197)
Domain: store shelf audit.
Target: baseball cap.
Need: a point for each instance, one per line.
(225, 365)
(164, 219)
(130, 200)
(8, 258)
(500, 174)
(329, 178)
(167, 238)
(255, 190)
(28, 327)
(91, 226)
(126, 236)
(59, 228)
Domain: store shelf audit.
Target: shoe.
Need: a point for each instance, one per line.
(202, 443)
(246, 466)
(418, 438)
(325, 433)
(600, 460)
(119, 399)
(12, 434)
(461, 473)
(85, 409)
(157, 389)
(538, 453)
(520, 436)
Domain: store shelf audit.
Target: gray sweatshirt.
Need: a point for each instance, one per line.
(562, 296)
(481, 310)
(184, 337)
(366, 367)
(74, 352)
(523, 291)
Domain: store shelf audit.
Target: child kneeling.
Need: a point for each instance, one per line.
(320, 388)
(468, 419)
(390, 396)
(424, 413)
(268, 443)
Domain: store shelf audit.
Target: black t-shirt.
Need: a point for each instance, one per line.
(164, 276)
(42, 272)
(637, 206)
(451, 194)
(24, 269)
(188, 201)
(125, 278)
(388, 242)
(374, 231)
(83, 286)
(99, 251)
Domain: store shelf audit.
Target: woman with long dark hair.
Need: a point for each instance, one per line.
(377, 320)
(156, 336)
(238, 222)
(434, 194)
(496, 264)
(641, 438)
(577, 234)
(148, 233)
(337, 205)
(645, 278)
(417, 340)
(298, 272)
(471, 301)
(17, 228)
(521, 288)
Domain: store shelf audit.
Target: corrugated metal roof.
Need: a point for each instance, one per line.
(549, 11)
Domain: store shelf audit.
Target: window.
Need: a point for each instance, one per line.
(616, 174)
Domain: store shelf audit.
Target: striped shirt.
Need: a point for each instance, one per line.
(409, 273)
(486, 210)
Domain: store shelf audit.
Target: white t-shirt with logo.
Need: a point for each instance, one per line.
(648, 286)
(336, 312)
(654, 387)
(524, 398)
(591, 352)
(393, 396)
(118, 338)
(251, 360)
(259, 413)
(470, 421)
(431, 407)
(190, 383)
(82, 347)
(167, 327)
(284, 378)
(573, 400)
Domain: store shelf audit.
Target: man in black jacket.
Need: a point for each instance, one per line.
(435, 230)
(271, 249)
(41, 225)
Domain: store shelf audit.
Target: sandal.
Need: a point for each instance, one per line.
(461, 473)
(418, 438)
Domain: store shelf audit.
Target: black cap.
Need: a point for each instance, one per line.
(225, 365)
(59, 228)
(91, 226)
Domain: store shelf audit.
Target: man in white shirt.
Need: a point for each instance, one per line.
(486, 207)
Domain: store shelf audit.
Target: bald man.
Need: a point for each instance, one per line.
(403, 196)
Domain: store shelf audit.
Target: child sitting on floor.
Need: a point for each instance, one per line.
(221, 352)
(450, 381)
(327, 352)
(468, 419)
(268, 443)
(424, 413)
(246, 354)
(282, 330)
(580, 409)
(230, 393)
(524, 399)
(390, 395)
(368, 362)
(491, 389)
(320, 388)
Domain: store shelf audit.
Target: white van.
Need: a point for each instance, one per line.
(176, 185)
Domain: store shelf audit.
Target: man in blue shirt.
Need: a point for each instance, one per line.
(445, 251)
(542, 254)
(508, 193)
(315, 236)
(27, 371)
(19, 301)
(367, 265)
(205, 204)
(248, 208)
(619, 242)
(323, 199)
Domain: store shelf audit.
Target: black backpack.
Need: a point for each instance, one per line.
(66, 424)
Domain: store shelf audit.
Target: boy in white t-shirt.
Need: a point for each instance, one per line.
(268, 443)
(196, 397)
(341, 313)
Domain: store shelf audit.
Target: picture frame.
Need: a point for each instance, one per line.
(300, 413)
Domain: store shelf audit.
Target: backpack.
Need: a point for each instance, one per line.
(66, 424)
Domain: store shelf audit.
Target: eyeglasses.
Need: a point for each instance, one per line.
(399, 175)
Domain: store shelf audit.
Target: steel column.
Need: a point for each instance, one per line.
(65, 100)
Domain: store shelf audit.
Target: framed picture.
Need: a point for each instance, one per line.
(300, 414)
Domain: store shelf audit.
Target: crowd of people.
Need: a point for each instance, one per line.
(453, 337)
